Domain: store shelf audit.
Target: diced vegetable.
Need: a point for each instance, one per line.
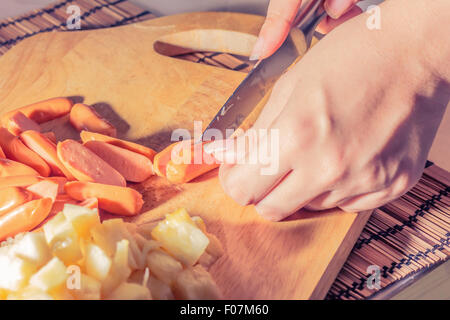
(180, 236)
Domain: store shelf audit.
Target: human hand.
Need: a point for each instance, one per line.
(280, 14)
(354, 131)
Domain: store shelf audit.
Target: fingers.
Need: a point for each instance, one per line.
(285, 199)
(372, 200)
(280, 15)
(275, 28)
(255, 173)
(279, 97)
(245, 183)
(329, 23)
(366, 201)
(336, 8)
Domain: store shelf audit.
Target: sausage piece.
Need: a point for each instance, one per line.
(114, 199)
(12, 197)
(15, 150)
(44, 111)
(132, 166)
(24, 217)
(10, 168)
(85, 165)
(45, 148)
(84, 117)
(19, 123)
(135, 147)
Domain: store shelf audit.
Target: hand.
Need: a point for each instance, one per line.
(279, 19)
(356, 118)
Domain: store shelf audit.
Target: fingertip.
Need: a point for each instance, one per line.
(329, 23)
(336, 8)
(271, 37)
(258, 49)
(267, 213)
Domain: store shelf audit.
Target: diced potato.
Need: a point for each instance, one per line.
(83, 219)
(52, 227)
(180, 236)
(52, 275)
(159, 289)
(195, 284)
(30, 293)
(109, 233)
(63, 239)
(33, 248)
(14, 271)
(68, 250)
(163, 266)
(130, 291)
(90, 288)
(120, 271)
(97, 262)
(113, 259)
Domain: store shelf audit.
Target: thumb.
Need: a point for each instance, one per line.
(276, 27)
(337, 8)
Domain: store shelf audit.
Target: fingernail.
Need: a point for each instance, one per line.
(335, 9)
(257, 49)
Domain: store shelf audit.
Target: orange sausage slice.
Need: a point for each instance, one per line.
(12, 197)
(24, 217)
(18, 123)
(15, 150)
(85, 165)
(93, 136)
(19, 181)
(114, 199)
(47, 150)
(44, 111)
(91, 203)
(84, 117)
(132, 166)
(184, 167)
(2, 154)
(10, 168)
(161, 159)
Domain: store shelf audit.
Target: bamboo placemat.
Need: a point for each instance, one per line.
(401, 238)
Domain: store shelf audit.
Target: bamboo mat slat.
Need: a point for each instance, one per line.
(401, 238)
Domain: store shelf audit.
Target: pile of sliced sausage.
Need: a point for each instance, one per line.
(39, 174)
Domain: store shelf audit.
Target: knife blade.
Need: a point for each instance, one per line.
(265, 73)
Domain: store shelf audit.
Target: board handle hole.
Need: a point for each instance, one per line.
(219, 48)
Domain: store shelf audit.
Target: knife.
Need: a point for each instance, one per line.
(265, 72)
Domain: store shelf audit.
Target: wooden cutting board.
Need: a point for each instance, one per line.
(147, 95)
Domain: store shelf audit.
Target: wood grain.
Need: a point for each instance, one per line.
(147, 95)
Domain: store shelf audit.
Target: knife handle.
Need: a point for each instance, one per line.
(308, 17)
